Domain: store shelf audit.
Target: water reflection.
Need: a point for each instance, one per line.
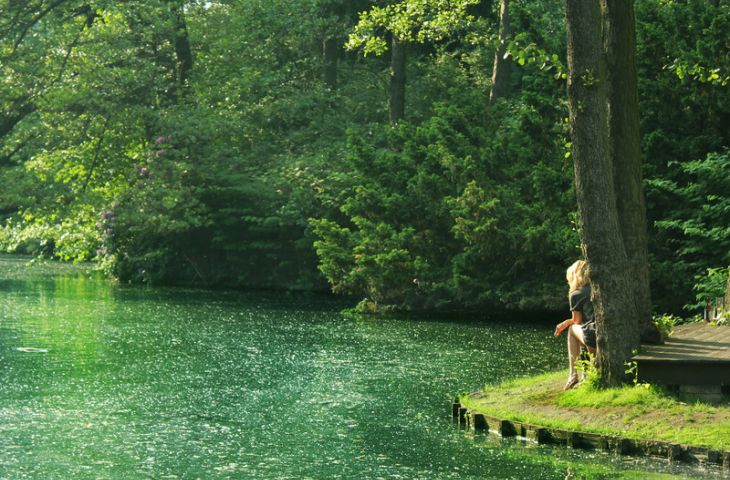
(166, 383)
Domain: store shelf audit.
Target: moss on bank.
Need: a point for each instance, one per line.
(641, 412)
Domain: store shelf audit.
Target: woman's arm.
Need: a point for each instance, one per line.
(576, 319)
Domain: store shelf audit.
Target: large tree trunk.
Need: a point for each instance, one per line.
(397, 80)
(625, 145)
(502, 66)
(330, 51)
(617, 334)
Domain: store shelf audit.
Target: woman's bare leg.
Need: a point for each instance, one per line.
(575, 341)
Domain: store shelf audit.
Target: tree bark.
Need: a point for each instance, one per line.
(397, 102)
(22, 109)
(625, 151)
(482, 9)
(617, 334)
(502, 66)
(330, 51)
(183, 51)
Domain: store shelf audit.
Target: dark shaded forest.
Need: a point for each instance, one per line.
(413, 154)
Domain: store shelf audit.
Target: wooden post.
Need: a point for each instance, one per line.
(572, 439)
(462, 416)
(479, 422)
(540, 435)
(506, 429)
(624, 446)
(674, 452)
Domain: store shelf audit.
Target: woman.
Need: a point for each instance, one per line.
(582, 324)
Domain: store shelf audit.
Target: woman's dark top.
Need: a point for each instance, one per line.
(580, 301)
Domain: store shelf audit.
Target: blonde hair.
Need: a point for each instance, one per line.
(577, 275)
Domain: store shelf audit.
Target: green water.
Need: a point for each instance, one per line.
(169, 383)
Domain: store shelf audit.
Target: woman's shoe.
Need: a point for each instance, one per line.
(573, 380)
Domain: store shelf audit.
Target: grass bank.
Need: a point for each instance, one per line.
(641, 412)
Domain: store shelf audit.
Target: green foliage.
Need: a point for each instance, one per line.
(709, 287)
(587, 367)
(715, 76)
(698, 224)
(220, 199)
(632, 370)
(703, 61)
(638, 394)
(90, 84)
(702, 213)
(453, 212)
(69, 239)
(682, 122)
(267, 177)
(666, 323)
(410, 20)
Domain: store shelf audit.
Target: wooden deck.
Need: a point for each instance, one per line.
(696, 354)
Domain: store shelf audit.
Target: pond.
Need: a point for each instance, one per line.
(109, 381)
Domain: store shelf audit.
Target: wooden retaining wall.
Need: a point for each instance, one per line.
(480, 422)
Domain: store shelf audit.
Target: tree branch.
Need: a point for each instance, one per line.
(97, 150)
(32, 23)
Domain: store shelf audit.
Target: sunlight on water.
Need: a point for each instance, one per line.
(107, 381)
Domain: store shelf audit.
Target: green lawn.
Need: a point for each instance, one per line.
(642, 412)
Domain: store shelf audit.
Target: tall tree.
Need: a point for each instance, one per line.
(599, 225)
(183, 51)
(397, 99)
(330, 51)
(502, 65)
(332, 13)
(625, 151)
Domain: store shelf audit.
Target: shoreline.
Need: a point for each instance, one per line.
(634, 420)
(546, 313)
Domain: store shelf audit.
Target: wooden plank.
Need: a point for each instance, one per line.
(683, 373)
(697, 354)
(690, 343)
